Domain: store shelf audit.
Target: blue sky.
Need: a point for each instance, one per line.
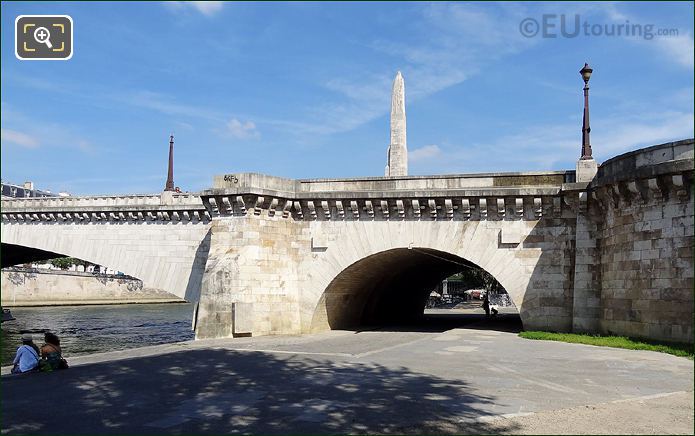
(302, 90)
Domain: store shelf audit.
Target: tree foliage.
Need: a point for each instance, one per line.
(67, 262)
(63, 262)
(478, 278)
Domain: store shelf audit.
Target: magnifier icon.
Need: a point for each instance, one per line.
(43, 36)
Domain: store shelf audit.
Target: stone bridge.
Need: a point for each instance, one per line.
(265, 255)
(160, 239)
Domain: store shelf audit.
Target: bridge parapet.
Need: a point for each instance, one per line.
(165, 207)
(662, 158)
(493, 196)
(260, 183)
(480, 181)
(653, 172)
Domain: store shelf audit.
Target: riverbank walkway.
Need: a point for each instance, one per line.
(479, 378)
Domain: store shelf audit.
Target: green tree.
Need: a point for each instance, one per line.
(478, 278)
(63, 262)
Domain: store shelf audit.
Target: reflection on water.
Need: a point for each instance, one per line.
(96, 329)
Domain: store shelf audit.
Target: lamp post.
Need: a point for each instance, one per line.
(586, 142)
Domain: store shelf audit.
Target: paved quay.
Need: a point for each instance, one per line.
(479, 377)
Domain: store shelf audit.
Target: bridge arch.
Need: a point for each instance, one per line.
(18, 254)
(386, 287)
(366, 269)
(167, 256)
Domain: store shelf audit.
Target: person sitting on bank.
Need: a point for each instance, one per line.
(27, 358)
(52, 353)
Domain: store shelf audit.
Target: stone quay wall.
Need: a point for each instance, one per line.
(22, 287)
(642, 210)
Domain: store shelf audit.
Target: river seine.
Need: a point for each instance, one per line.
(96, 329)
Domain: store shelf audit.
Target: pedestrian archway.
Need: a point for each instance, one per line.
(389, 287)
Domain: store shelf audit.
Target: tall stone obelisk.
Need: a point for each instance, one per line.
(397, 164)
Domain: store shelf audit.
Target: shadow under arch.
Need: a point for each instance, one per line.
(12, 254)
(388, 287)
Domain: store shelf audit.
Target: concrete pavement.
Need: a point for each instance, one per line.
(376, 381)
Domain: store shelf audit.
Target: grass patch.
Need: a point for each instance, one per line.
(682, 350)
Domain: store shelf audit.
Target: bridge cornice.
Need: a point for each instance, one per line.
(165, 207)
(136, 200)
(479, 207)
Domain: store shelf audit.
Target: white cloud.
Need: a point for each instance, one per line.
(166, 105)
(208, 8)
(611, 9)
(241, 130)
(19, 138)
(558, 146)
(678, 48)
(633, 134)
(185, 126)
(424, 153)
(43, 133)
(462, 39)
(230, 126)
(457, 41)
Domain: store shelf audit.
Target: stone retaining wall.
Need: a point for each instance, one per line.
(31, 288)
(644, 219)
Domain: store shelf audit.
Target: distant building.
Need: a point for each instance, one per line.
(27, 191)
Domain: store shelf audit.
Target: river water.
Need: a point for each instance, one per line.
(96, 329)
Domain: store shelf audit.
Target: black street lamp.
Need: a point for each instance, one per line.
(586, 143)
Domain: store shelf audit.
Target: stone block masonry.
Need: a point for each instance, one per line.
(306, 255)
(643, 214)
(250, 282)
